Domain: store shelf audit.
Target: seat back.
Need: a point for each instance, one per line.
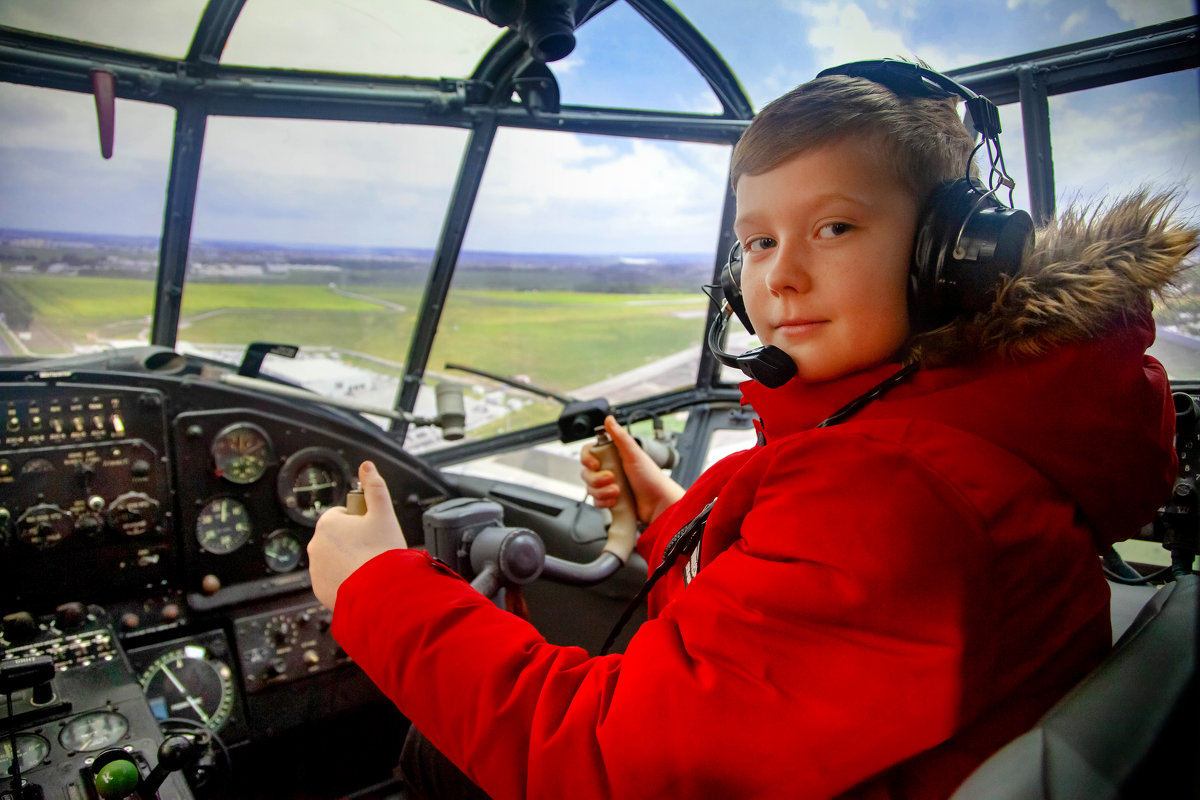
(1130, 729)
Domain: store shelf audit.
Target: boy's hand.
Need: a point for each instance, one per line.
(344, 542)
(652, 488)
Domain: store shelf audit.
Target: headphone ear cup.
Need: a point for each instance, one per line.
(966, 242)
(731, 283)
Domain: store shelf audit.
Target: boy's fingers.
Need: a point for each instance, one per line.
(375, 491)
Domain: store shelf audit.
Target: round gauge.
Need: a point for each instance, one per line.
(223, 526)
(31, 751)
(242, 452)
(133, 513)
(94, 730)
(185, 682)
(311, 481)
(44, 525)
(282, 551)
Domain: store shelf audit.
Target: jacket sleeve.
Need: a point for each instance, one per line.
(824, 646)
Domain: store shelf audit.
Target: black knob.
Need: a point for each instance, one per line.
(275, 669)
(176, 751)
(279, 632)
(43, 694)
(89, 525)
(20, 627)
(70, 616)
(140, 468)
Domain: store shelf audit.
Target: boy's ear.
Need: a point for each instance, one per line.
(966, 242)
(731, 285)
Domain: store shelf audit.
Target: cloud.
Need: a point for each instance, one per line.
(842, 31)
(550, 192)
(1134, 136)
(66, 121)
(1147, 12)
(159, 28)
(389, 37)
(1073, 20)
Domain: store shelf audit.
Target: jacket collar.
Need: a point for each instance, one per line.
(798, 406)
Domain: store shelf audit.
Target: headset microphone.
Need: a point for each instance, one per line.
(768, 365)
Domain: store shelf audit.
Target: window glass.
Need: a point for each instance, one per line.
(79, 234)
(318, 234)
(1117, 139)
(620, 61)
(158, 27)
(580, 275)
(412, 38)
(778, 44)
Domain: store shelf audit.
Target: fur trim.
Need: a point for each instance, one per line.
(1089, 270)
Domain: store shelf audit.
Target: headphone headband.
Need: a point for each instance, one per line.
(912, 80)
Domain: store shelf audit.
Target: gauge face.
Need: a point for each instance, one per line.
(312, 480)
(282, 551)
(44, 526)
(133, 513)
(186, 682)
(223, 526)
(242, 452)
(31, 750)
(93, 731)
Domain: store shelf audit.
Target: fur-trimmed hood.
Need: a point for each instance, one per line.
(1089, 270)
(1055, 372)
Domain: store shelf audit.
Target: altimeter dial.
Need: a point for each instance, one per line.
(242, 452)
(223, 526)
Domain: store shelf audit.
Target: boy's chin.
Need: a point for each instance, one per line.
(810, 371)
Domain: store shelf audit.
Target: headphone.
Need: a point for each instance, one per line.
(966, 241)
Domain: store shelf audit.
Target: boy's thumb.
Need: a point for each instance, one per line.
(375, 491)
(624, 441)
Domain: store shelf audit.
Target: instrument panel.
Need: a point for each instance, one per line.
(176, 510)
(183, 508)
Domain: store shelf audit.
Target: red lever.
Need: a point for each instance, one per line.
(104, 85)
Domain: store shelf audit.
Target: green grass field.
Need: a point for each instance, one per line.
(560, 339)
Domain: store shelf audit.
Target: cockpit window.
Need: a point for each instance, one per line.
(1117, 139)
(620, 61)
(803, 38)
(580, 274)
(411, 38)
(79, 234)
(318, 234)
(157, 27)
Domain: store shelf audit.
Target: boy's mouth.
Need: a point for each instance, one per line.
(795, 327)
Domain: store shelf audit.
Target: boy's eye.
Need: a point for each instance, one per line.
(834, 229)
(761, 243)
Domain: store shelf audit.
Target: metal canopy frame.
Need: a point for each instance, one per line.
(199, 86)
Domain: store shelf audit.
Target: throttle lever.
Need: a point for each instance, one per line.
(623, 530)
(356, 503)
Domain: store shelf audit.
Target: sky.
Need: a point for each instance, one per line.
(308, 182)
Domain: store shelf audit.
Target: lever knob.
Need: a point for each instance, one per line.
(117, 779)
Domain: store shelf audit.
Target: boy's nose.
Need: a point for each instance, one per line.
(788, 271)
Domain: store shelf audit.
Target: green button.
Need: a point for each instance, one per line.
(117, 779)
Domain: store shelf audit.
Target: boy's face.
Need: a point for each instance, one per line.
(826, 242)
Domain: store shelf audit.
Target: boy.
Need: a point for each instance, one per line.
(874, 606)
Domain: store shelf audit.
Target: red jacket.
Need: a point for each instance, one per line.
(879, 605)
